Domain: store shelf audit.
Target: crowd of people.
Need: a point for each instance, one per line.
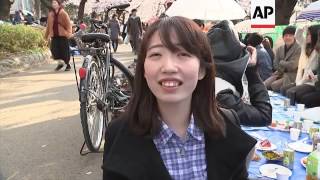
(19, 17)
(296, 66)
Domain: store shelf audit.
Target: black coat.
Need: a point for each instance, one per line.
(231, 61)
(259, 112)
(131, 157)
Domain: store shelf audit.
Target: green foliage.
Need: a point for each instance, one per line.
(21, 38)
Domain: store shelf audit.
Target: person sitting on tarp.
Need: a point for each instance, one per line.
(233, 62)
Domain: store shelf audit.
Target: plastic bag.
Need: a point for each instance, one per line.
(127, 39)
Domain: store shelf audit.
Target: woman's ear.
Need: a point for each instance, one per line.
(202, 73)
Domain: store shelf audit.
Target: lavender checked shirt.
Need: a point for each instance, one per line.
(184, 159)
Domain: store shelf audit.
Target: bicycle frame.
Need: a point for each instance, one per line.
(98, 92)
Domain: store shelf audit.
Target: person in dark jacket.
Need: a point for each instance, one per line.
(264, 62)
(18, 17)
(114, 32)
(268, 45)
(231, 59)
(169, 130)
(134, 27)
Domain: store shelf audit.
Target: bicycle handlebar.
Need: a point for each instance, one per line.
(86, 49)
(90, 48)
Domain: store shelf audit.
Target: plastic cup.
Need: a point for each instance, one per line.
(307, 124)
(297, 125)
(297, 116)
(291, 111)
(294, 134)
(281, 175)
(300, 107)
(286, 103)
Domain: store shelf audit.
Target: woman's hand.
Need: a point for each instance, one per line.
(253, 56)
(311, 76)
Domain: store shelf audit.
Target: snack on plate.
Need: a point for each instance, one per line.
(280, 125)
(304, 160)
(265, 143)
(272, 155)
(283, 125)
(256, 157)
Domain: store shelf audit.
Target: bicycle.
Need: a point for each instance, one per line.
(105, 86)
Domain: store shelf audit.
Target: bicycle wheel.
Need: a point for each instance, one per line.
(120, 87)
(92, 119)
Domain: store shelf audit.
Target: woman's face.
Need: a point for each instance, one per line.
(55, 5)
(308, 38)
(171, 76)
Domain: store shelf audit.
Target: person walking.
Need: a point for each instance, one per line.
(169, 130)
(59, 29)
(285, 62)
(134, 30)
(114, 28)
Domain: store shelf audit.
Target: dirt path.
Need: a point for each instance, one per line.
(40, 130)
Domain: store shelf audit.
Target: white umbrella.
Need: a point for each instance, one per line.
(311, 12)
(148, 8)
(245, 27)
(207, 9)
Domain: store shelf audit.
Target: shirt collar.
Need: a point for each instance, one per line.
(194, 131)
(166, 133)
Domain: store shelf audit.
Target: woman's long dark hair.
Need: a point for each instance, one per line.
(142, 112)
(313, 30)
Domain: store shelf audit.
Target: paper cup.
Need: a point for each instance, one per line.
(294, 134)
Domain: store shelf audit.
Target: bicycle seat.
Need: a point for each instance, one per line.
(91, 37)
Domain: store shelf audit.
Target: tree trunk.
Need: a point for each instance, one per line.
(5, 9)
(81, 9)
(284, 9)
(37, 9)
(45, 6)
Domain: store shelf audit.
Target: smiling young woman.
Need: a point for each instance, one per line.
(172, 128)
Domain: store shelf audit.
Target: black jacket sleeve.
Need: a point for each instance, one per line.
(241, 172)
(259, 113)
(110, 135)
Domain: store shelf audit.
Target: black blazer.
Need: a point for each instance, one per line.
(131, 157)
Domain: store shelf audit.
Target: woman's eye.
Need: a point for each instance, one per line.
(184, 54)
(154, 55)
